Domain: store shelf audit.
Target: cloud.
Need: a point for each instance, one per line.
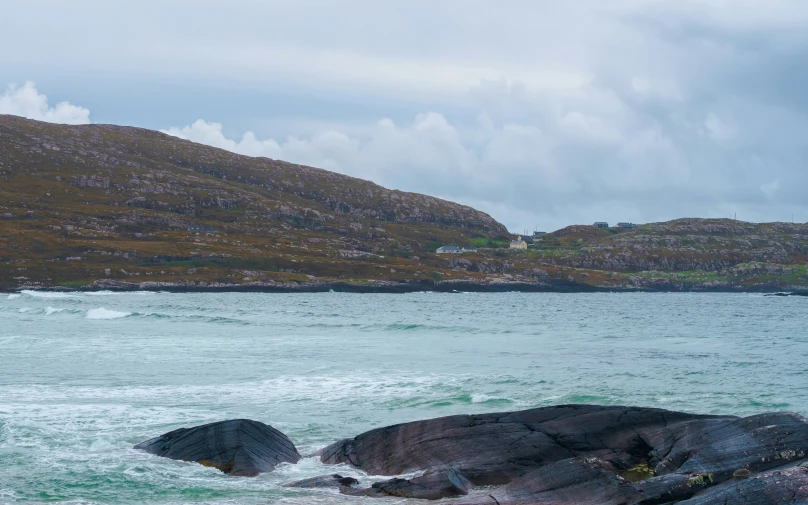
(770, 188)
(540, 112)
(27, 102)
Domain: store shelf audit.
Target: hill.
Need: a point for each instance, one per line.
(81, 203)
(104, 206)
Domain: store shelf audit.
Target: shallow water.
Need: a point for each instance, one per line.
(83, 377)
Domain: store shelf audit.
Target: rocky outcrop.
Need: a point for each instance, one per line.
(496, 448)
(430, 486)
(590, 481)
(584, 454)
(238, 447)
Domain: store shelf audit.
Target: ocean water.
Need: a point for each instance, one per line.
(84, 376)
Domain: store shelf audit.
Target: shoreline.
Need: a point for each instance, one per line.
(401, 288)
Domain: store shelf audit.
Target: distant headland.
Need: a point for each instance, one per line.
(108, 207)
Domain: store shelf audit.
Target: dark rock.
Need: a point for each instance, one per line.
(671, 488)
(573, 481)
(722, 447)
(775, 487)
(237, 447)
(496, 448)
(430, 486)
(333, 480)
(581, 454)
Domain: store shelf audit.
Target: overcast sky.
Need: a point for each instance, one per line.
(541, 113)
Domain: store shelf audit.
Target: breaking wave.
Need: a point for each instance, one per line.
(102, 313)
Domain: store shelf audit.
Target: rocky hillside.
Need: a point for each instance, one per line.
(707, 254)
(80, 203)
(102, 206)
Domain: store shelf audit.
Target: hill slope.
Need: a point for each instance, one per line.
(79, 203)
(102, 206)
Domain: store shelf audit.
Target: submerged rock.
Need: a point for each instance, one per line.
(238, 447)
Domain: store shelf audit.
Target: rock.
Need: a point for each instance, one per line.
(237, 447)
(775, 487)
(496, 448)
(333, 480)
(722, 447)
(581, 454)
(671, 488)
(573, 481)
(430, 486)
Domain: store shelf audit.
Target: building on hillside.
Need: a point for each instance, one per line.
(626, 225)
(539, 233)
(518, 243)
(448, 249)
(469, 249)
(601, 224)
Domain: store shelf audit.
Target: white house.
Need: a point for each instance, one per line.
(448, 249)
(518, 243)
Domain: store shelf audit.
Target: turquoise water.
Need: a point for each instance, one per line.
(85, 376)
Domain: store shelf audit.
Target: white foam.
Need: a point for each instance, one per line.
(51, 310)
(102, 313)
(45, 294)
(481, 398)
(13, 296)
(119, 293)
(23, 310)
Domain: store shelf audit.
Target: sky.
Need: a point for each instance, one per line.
(541, 113)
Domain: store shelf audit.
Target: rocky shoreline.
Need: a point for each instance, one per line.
(560, 455)
(550, 286)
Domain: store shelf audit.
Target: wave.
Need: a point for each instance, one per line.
(110, 293)
(102, 313)
(45, 294)
(51, 310)
(13, 296)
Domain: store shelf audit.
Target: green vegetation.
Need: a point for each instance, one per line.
(492, 243)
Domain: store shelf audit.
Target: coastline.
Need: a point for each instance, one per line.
(390, 287)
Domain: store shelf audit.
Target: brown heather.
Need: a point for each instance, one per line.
(106, 206)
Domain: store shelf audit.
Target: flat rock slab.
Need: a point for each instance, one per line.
(491, 449)
(775, 487)
(590, 481)
(586, 454)
(238, 447)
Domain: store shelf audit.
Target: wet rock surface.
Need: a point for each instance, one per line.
(583, 454)
(333, 480)
(495, 448)
(238, 447)
(430, 486)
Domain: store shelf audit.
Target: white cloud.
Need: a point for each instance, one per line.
(770, 188)
(27, 102)
(717, 129)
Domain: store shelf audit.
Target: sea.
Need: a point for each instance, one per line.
(85, 376)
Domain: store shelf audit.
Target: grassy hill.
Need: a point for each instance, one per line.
(109, 206)
(81, 203)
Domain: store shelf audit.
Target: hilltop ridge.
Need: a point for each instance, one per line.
(105, 206)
